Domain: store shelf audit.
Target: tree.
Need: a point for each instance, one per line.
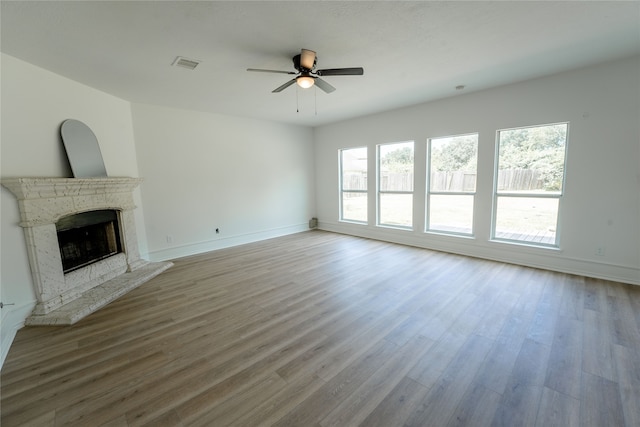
(538, 148)
(454, 154)
(398, 160)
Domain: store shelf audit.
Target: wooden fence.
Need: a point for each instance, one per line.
(458, 181)
(396, 181)
(354, 181)
(519, 179)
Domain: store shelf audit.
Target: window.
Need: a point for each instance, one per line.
(353, 184)
(452, 163)
(395, 184)
(529, 183)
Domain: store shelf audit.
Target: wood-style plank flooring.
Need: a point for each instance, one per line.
(321, 329)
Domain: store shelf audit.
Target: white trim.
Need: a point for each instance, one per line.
(526, 255)
(13, 318)
(380, 192)
(224, 242)
(559, 195)
(341, 189)
(429, 193)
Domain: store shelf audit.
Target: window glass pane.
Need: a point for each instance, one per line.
(353, 184)
(354, 169)
(531, 160)
(528, 219)
(451, 213)
(453, 163)
(354, 206)
(396, 166)
(396, 209)
(530, 163)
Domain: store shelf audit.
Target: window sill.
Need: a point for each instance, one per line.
(531, 245)
(395, 227)
(450, 234)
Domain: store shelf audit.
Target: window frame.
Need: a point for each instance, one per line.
(429, 193)
(380, 192)
(342, 191)
(550, 195)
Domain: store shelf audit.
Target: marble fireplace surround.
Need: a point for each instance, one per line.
(67, 298)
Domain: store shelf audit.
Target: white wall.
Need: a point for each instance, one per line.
(255, 179)
(601, 206)
(251, 179)
(34, 104)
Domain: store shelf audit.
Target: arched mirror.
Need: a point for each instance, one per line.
(82, 149)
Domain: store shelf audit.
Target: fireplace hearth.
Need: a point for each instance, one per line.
(82, 244)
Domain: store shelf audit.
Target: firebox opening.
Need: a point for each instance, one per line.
(88, 237)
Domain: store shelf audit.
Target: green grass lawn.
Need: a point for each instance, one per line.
(527, 219)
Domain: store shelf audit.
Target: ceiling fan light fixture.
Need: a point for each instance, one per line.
(305, 81)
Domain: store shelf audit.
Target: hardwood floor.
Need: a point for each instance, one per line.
(321, 329)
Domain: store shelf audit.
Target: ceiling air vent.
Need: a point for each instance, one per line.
(185, 63)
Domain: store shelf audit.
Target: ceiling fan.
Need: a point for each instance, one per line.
(307, 75)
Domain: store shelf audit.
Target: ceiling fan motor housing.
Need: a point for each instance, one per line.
(297, 66)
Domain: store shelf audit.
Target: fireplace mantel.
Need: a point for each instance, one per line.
(45, 200)
(67, 298)
(37, 188)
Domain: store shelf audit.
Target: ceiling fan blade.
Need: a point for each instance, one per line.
(284, 86)
(324, 85)
(307, 59)
(260, 70)
(358, 71)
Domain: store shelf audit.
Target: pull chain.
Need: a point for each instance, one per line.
(297, 104)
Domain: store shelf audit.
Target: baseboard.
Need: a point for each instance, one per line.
(223, 242)
(529, 256)
(13, 318)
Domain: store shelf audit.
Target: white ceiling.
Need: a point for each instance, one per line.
(411, 52)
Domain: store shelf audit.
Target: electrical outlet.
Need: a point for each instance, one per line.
(169, 239)
(600, 251)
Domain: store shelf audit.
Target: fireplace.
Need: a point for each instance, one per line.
(82, 244)
(87, 237)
